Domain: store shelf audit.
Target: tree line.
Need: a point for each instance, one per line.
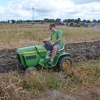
(50, 21)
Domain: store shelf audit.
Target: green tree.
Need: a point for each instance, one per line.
(94, 20)
(13, 21)
(84, 20)
(58, 19)
(76, 21)
(98, 21)
(88, 21)
(79, 20)
(46, 20)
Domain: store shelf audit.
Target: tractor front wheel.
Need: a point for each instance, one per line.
(21, 67)
(31, 71)
(65, 63)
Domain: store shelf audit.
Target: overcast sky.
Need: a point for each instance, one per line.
(52, 9)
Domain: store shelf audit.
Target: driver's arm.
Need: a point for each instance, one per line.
(58, 40)
(60, 37)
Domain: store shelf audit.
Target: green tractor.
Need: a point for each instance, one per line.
(33, 58)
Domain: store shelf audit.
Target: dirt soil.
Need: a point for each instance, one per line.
(8, 62)
(79, 51)
(82, 93)
(84, 50)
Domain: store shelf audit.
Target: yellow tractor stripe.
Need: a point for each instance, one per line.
(32, 52)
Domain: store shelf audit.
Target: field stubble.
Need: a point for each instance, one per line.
(14, 36)
(78, 83)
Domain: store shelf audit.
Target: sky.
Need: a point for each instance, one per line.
(52, 9)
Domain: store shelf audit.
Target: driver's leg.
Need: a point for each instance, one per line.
(54, 51)
(53, 54)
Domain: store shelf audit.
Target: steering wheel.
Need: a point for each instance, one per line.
(46, 42)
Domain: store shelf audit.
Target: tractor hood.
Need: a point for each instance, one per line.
(31, 49)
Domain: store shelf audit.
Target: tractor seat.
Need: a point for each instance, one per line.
(61, 49)
(58, 50)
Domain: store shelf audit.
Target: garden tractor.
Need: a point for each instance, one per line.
(33, 58)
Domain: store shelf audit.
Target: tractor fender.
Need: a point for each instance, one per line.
(59, 55)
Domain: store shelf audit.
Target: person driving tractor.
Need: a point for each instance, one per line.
(56, 40)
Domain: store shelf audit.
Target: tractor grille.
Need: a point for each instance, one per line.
(31, 57)
(18, 58)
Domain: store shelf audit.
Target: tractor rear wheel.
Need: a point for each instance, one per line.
(65, 63)
(31, 71)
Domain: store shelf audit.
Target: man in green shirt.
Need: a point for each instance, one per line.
(56, 40)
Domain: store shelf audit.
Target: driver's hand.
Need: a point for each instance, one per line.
(52, 43)
(44, 40)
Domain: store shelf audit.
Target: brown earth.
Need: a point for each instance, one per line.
(79, 51)
(8, 60)
(82, 93)
(84, 50)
